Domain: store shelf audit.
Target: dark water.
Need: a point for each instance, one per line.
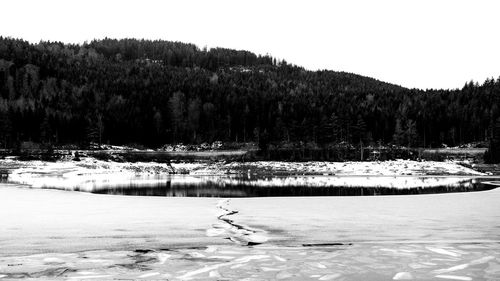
(3, 175)
(220, 187)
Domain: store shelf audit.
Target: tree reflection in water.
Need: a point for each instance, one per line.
(292, 186)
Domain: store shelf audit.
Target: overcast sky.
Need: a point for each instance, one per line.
(421, 43)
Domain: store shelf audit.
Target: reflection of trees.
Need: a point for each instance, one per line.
(287, 186)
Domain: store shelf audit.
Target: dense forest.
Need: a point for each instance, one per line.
(157, 92)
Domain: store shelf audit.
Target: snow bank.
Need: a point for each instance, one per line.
(85, 174)
(386, 168)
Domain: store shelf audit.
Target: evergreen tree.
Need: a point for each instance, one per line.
(360, 131)
(335, 127)
(493, 153)
(411, 133)
(194, 117)
(5, 129)
(176, 106)
(45, 131)
(399, 136)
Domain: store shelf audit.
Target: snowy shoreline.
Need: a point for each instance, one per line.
(366, 168)
(89, 174)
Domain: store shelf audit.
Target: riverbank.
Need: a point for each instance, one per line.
(94, 165)
(88, 173)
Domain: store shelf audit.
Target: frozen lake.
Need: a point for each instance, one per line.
(262, 228)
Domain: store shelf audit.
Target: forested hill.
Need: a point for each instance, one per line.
(157, 92)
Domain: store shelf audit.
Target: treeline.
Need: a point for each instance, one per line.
(156, 92)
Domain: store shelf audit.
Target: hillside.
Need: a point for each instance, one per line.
(156, 92)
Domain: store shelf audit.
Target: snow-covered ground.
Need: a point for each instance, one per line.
(51, 234)
(385, 168)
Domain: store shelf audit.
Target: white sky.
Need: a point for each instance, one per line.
(419, 43)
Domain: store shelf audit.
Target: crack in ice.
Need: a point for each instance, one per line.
(233, 231)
